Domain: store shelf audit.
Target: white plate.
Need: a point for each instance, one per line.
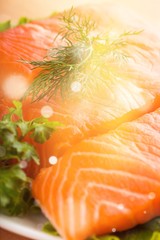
(30, 226)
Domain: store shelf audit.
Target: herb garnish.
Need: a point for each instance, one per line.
(5, 25)
(83, 57)
(16, 198)
(48, 228)
(23, 20)
(147, 231)
(8, 24)
(15, 195)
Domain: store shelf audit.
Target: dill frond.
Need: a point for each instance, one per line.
(82, 57)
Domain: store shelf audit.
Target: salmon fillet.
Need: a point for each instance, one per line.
(104, 183)
(129, 94)
(107, 175)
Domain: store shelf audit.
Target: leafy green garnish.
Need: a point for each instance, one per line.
(108, 237)
(148, 231)
(42, 129)
(8, 24)
(5, 25)
(15, 195)
(156, 236)
(13, 133)
(48, 228)
(153, 225)
(137, 234)
(23, 20)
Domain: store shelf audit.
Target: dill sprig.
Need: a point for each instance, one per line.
(83, 57)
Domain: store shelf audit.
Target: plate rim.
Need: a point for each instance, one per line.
(12, 224)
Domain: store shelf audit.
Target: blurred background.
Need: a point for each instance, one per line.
(13, 9)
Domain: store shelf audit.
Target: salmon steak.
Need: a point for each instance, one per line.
(106, 183)
(106, 178)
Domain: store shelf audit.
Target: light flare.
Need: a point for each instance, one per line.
(23, 164)
(76, 86)
(120, 206)
(53, 160)
(15, 86)
(114, 230)
(46, 111)
(113, 35)
(151, 195)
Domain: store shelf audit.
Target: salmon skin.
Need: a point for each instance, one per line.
(106, 183)
(131, 93)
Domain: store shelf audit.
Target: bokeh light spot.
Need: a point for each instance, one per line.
(151, 195)
(114, 230)
(53, 160)
(15, 86)
(23, 164)
(76, 86)
(46, 111)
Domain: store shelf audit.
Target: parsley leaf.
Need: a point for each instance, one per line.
(15, 194)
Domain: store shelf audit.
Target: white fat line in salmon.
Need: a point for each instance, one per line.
(65, 176)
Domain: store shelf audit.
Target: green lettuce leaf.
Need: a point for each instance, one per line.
(23, 20)
(8, 24)
(148, 231)
(48, 228)
(5, 25)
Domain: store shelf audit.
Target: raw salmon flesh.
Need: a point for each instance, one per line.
(107, 175)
